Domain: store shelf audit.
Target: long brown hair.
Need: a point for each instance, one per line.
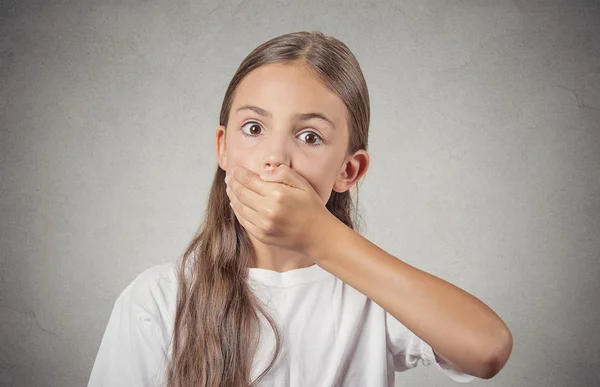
(216, 329)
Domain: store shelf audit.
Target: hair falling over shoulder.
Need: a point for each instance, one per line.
(216, 328)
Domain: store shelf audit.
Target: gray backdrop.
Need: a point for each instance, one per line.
(485, 146)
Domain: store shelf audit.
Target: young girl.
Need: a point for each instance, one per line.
(277, 289)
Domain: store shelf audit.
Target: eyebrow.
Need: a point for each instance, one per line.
(298, 116)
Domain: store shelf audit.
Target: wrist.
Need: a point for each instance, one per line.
(323, 234)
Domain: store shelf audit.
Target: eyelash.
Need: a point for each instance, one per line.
(254, 135)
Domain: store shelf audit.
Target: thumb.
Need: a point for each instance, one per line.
(270, 175)
(285, 175)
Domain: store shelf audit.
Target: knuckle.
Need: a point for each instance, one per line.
(268, 226)
(278, 195)
(269, 213)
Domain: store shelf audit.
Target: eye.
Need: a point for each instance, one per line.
(312, 138)
(253, 128)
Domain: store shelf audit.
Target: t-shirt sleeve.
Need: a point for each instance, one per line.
(408, 349)
(133, 348)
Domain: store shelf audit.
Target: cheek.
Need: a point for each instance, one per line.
(236, 152)
(242, 151)
(321, 180)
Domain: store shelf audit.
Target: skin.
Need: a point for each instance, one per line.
(282, 209)
(279, 197)
(284, 90)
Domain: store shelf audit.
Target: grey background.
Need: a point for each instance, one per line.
(485, 146)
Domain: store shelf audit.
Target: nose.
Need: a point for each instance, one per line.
(276, 152)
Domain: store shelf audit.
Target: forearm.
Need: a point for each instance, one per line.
(453, 322)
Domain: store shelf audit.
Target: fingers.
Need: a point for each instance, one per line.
(242, 214)
(248, 179)
(238, 192)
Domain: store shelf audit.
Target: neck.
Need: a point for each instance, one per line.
(277, 259)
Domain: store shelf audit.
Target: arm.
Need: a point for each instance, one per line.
(468, 333)
(439, 358)
(465, 333)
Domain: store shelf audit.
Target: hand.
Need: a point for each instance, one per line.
(278, 208)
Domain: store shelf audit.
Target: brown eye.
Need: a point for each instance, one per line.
(254, 129)
(311, 138)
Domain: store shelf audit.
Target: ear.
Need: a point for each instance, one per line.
(353, 169)
(220, 147)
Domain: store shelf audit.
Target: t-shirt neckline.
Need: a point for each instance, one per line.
(288, 278)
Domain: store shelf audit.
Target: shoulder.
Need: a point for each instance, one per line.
(402, 340)
(160, 275)
(152, 292)
(136, 338)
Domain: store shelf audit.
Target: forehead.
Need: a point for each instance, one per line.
(287, 89)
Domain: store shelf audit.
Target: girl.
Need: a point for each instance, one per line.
(277, 289)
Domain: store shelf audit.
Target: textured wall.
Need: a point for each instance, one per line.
(485, 146)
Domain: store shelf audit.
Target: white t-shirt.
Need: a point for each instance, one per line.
(332, 335)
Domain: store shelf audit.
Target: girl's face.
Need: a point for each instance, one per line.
(282, 114)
